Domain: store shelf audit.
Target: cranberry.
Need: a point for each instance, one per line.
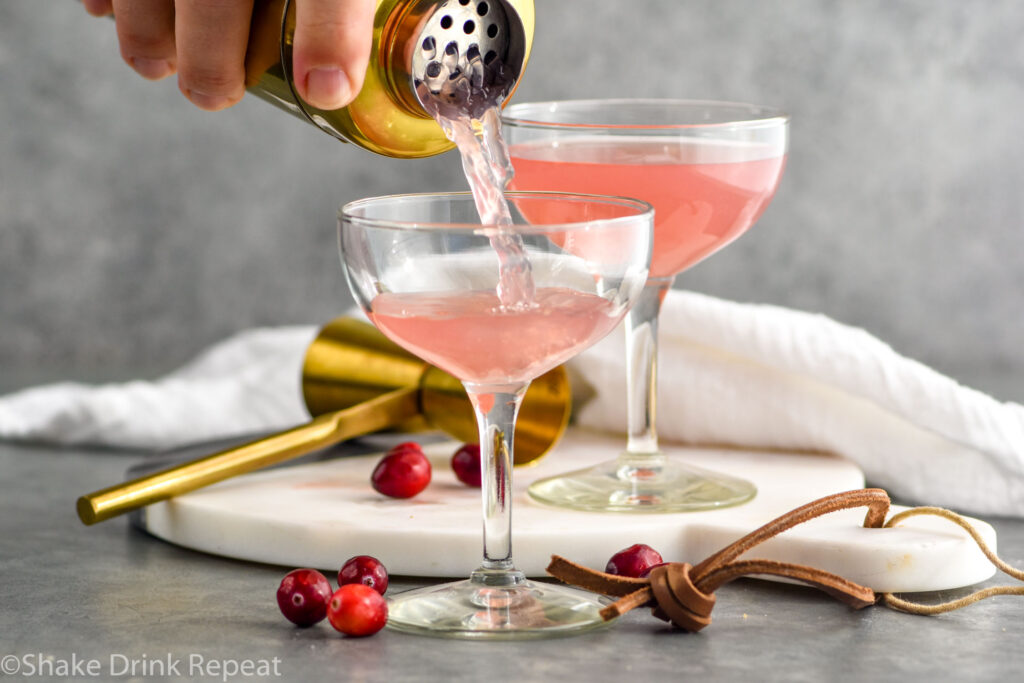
(403, 472)
(633, 561)
(365, 570)
(303, 596)
(466, 464)
(357, 610)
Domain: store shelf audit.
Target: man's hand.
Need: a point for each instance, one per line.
(204, 42)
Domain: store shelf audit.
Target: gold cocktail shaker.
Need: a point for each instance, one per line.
(354, 381)
(416, 43)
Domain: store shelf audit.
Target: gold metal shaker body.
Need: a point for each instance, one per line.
(387, 117)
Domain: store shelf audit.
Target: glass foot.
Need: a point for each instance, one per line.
(642, 483)
(496, 605)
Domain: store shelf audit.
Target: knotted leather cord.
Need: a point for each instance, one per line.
(684, 594)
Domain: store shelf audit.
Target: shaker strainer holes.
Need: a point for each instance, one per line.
(446, 22)
(468, 27)
(451, 49)
(481, 9)
(463, 2)
(429, 46)
(492, 30)
(433, 69)
(490, 56)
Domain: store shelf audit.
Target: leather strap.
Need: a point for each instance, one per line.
(684, 595)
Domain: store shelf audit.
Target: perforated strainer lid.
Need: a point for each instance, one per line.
(468, 55)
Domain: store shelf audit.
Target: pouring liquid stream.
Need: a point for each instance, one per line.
(467, 108)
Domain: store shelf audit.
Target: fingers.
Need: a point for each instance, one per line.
(205, 42)
(332, 47)
(145, 29)
(98, 8)
(210, 36)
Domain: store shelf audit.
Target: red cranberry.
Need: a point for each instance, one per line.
(357, 610)
(633, 561)
(365, 570)
(466, 464)
(403, 472)
(303, 596)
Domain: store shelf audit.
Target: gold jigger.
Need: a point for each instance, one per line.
(354, 381)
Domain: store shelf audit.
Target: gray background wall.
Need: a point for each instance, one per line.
(135, 229)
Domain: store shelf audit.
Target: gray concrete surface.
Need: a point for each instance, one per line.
(112, 594)
(136, 229)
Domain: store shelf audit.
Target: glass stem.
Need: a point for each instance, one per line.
(496, 412)
(642, 368)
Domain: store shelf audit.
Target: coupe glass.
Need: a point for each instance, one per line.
(709, 169)
(436, 282)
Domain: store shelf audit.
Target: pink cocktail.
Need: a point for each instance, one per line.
(709, 169)
(705, 194)
(472, 336)
(435, 281)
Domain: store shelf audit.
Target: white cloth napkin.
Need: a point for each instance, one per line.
(246, 384)
(738, 374)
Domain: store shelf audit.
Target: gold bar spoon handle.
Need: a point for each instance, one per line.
(326, 430)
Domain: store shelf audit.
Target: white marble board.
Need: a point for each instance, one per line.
(320, 514)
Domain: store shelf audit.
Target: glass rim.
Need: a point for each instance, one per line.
(771, 116)
(345, 215)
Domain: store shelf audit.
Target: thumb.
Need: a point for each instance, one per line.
(332, 48)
